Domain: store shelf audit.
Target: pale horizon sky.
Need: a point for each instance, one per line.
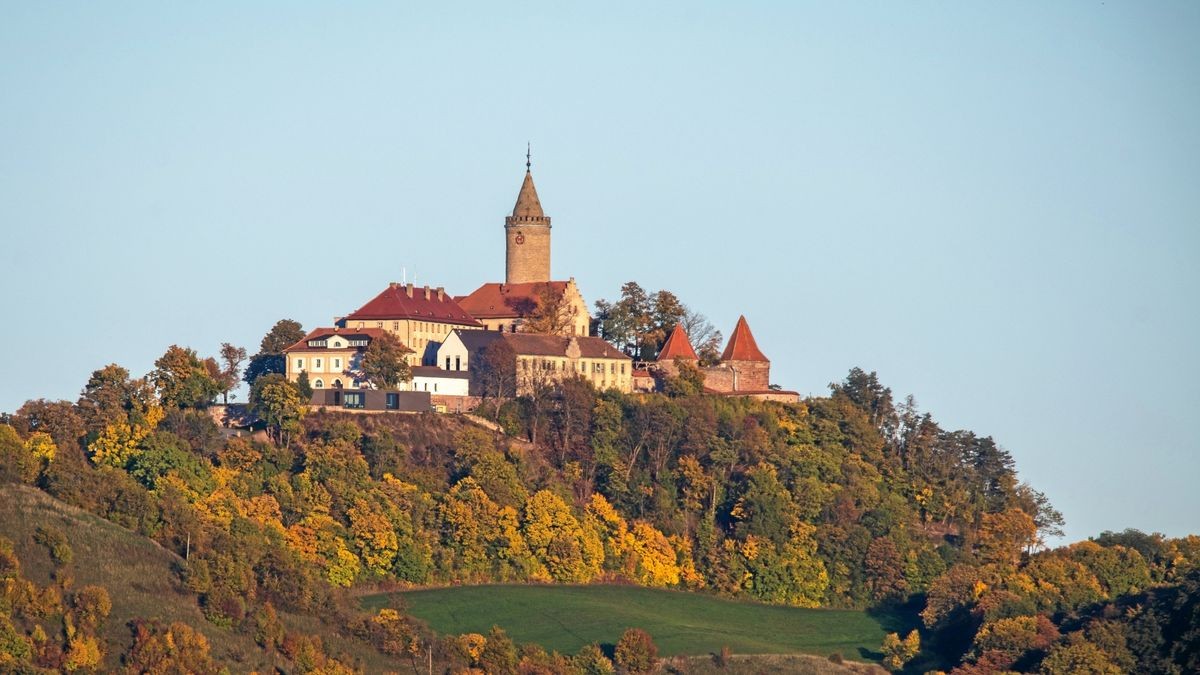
(994, 207)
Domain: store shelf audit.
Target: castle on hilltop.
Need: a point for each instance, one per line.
(545, 322)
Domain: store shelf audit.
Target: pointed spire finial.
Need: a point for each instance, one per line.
(528, 157)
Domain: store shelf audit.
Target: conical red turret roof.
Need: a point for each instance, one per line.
(528, 204)
(677, 346)
(741, 345)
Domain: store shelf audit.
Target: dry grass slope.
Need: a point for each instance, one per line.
(139, 577)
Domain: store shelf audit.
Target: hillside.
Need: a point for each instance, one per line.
(142, 579)
(739, 508)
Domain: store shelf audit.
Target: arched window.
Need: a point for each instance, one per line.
(337, 384)
(318, 384)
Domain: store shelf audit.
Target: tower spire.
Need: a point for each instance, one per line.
(528, 157)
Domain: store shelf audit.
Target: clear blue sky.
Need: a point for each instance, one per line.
(995, 207)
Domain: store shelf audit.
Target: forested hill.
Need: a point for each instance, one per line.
(842, 501)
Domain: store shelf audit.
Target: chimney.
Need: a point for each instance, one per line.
(392, 284)
(441, 294)
(426, 292)
(408, 290)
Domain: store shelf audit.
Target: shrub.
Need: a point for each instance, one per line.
(56, 543)
(636, 651)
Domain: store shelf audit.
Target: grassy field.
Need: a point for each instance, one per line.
(565, 618)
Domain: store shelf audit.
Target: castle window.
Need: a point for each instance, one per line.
(299, 364)
(353, 399)
(318, 384)
(622, 368)
(316, 364)
(457, 363)
(337, 364)
(393, 401)
(396, 326)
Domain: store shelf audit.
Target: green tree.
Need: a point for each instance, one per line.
(688, 382)
(765, 508)
(591, 661)
(269, 358)
(278, 403)
(383, 364)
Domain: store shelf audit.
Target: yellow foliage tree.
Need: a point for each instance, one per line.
(344, 567)
(373, 536)
(897, 652)
(41, 446)
(118, 443)
(653, 557)
(567, 551)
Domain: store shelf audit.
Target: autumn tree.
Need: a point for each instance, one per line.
(897, 652)
(59, 419)
(111, 396)
(635, 651)
(384, 364)
(568, 552)
(499, 654)
(231, 368)
(705, 338)
(552, 313)
(184, 380)
(884, 570)
(494, 373)
(1077, 655)
(269, 358)
(168, 649)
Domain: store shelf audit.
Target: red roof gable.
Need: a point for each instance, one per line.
(398, 301)
(677, 346)
(504, 301)
(741, 345)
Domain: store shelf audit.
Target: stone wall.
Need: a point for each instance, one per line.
(733, 376)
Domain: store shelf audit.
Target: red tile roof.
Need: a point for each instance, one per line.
(507, 301)
(741, 345)
(534, 344)
(325, 333)
(677, 346)
(399, 302)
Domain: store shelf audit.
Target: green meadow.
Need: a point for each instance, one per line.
(565, 618)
